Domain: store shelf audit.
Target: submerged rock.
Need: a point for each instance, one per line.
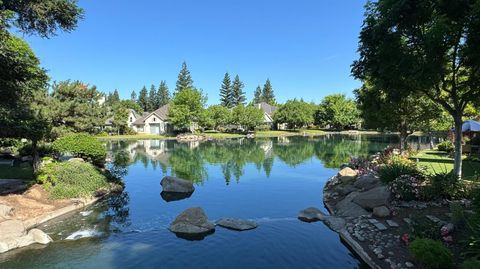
(310, 214)
(174, 196)
(237, 224)
(175, 184)
(192, 224)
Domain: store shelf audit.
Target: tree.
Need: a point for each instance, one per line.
(74, 107)
(153, 102)
(337, 111)
(143, 99)
(226, 92)
(247, 117)
(114, 98)
(187, 107)
(295, 113)
(133, 96)
(120, 114)
(429, 47)
(257, 95)
(238, 96)
(267, 94)
(163, 94)
(215, 116)
(184, 79)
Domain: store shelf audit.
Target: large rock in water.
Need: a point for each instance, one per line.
(379, 196)
(192, 224)
(237, 224)
(310, 214)
(13, 235)
(175, 184)
(347, 174)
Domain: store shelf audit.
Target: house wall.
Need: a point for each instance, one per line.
(154, 125)
(131, 118)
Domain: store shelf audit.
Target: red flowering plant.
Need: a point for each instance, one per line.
(407, 187)
(363, 166)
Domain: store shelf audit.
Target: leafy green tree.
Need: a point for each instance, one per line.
(226, 92)
(337, 111)
(247, 117)
(295, 113)
(267, 93)
(114, 98)
(153, 102)
(143, 99)
(163, 94)
(238, 96)
(133, 96)
(216, 116)
(185, 80)
(187, 107)
(429, 47)
(257, 95)
(120, 114)
(75, 108)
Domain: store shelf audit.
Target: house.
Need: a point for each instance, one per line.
(268, 111)
(155, 122)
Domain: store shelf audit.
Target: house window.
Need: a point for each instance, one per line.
(154, 119)
(131, 119)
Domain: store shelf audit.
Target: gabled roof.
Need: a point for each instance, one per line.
(267, 108)
(161, 113)
(135, 114)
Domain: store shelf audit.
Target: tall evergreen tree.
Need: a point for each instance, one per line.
(163, 93)
(143, 99)
(152, 99)
(184, 79)
(133, 96)
(115, 97)
(238, 96)
(226, 92)
(267, 95)
(258, 95)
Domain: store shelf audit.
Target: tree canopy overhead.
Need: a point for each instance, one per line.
(425, 46)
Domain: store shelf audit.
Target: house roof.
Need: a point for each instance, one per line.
(135, 114)
(161, 113)
(267, 108)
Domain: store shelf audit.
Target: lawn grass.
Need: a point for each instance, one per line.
(438, 161)
(16, 172)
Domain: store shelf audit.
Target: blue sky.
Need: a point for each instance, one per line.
(305, 47)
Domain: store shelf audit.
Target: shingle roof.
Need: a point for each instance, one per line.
(267, 108)
(134, 113)
(161, 113)
(141, 119)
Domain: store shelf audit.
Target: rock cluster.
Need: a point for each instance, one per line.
(190, 137)
(14, 235)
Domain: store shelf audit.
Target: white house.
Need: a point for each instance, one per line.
(151, 123)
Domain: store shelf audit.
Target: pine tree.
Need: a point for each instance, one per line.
(267, 95)
(143, 99)
(115, 97)
(258, 95)
(152, 99)
(133, 96)
(184, 79)
(238, 96)
(163, 94)
(226, 92)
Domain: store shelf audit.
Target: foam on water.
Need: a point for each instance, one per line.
(83, 234)
(86, 213)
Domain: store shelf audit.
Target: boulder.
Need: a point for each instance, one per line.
(174, 196)
(76, 160)
(366, 182)
(335, 223)
(175, 184)
(192, 224)
(12, 228)
(379, 196)
(346, 208)
(237, 224)
(6, 211)
(26, 158)
(13, 235)
(39, 236)
(381, 211)
(310, 214)
(345, 190)
(347, 174)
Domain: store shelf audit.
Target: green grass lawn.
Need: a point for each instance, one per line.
(438, 161)
(16, 172)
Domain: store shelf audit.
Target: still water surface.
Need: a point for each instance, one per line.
(267, 180)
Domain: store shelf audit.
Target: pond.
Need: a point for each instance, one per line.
(267, 180)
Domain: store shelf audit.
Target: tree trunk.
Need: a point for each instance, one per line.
(403, 136)
(36, 159)
(457, 168)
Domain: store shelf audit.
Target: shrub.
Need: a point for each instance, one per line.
(71, 179)
(396, 168)
(421, 227)
(431, 254)
(82, 146)
(470, 264)
(42, 149)
(406, 187)
(444, 185)
(446, 146)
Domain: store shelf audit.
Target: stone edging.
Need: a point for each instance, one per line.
(347, 238)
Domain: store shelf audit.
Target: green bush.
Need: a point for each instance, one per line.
(82, 146)
(470, 264)
(431, 254)
(444, 185)
(42, 149)
(397, 167)
(446, 146)
(72, 179)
